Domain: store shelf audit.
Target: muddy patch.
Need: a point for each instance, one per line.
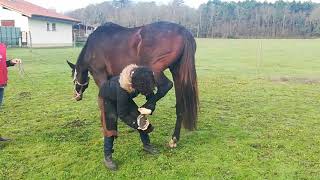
(77, 123)
(25, 95)
(299, 80)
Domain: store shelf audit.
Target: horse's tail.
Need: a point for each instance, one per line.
(186, 84)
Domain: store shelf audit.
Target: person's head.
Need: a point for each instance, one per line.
(143, 80)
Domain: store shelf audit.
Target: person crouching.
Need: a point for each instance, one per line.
(118, 94)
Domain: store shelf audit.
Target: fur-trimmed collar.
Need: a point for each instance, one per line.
(125, 78)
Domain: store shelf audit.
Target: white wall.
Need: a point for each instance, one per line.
(20, 21)
(38, 29)
(43, 38)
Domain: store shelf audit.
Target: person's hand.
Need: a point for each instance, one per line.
(150, 106)
(15, 61)
(144, 111)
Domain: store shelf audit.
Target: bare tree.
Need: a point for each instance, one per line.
(243, 19)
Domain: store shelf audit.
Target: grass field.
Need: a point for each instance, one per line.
(259, 118)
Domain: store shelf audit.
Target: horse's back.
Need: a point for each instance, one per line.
(113, 47)
(162, 41)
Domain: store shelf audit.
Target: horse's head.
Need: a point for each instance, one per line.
(80, 80)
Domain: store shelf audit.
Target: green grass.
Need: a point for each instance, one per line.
(259, 118)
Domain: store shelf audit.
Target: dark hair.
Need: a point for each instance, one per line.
(143, 80)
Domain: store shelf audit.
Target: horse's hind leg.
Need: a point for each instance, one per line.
(179, 110)
(176, 134)
(163, 86)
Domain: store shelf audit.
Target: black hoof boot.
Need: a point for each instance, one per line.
(110, 164)
(150, 149)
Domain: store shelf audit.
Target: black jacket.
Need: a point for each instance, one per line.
(112, 91)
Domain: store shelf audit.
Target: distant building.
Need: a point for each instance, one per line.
(81, 32)
(39, 27)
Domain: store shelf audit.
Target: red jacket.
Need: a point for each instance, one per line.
(3, 66)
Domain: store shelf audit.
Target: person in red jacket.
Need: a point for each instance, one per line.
(4, 63)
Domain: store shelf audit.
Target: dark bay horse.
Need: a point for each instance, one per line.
(159, 46)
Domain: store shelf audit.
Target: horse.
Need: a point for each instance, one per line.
(159, 46)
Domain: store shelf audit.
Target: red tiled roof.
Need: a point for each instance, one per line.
(29, 9)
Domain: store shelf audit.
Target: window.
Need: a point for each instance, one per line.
(48, 26)
(54, 27)
(8, 23)
(51, 26)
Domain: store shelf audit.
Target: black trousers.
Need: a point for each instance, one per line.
(130, 119)
(108, 143)
(111, 114)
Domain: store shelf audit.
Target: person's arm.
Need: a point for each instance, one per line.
(13, 62)
(9, 63)
(123, 103)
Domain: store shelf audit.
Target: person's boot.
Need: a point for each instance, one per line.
(108, 150)
(109, 163)
(149, 148)
(146, 143)
(2, 139)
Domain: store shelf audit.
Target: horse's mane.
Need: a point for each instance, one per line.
(109, 27)
(110, 24)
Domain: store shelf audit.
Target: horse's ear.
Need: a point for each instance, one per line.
(71, 65)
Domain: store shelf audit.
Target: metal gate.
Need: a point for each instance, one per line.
(11, 36)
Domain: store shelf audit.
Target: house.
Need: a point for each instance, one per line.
(39, 27)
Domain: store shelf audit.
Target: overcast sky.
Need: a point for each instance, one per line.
(67, 5)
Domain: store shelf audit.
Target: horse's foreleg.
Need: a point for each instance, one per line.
(107, 119)
(102, 115)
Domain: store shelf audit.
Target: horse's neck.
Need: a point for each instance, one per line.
(82, 67)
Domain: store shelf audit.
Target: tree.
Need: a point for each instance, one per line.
(226, 19)
(177, 3)
(121, 3)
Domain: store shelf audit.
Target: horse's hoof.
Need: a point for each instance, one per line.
(173, 143)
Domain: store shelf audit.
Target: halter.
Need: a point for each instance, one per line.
(76, 82)
(78, 94)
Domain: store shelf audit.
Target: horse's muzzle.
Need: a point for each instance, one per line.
(78, 97)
